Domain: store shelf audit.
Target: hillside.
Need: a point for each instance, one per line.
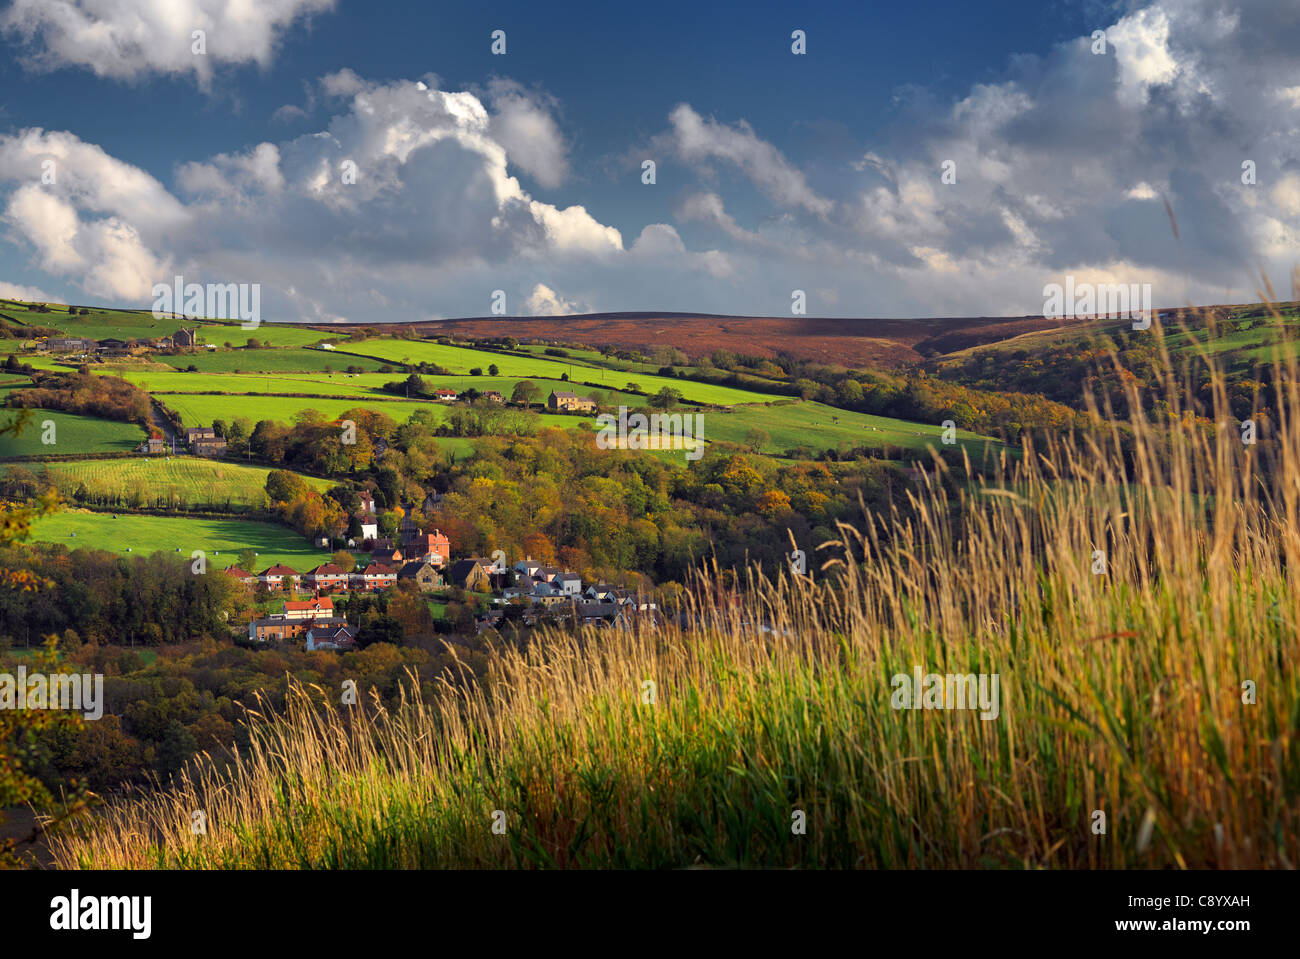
(862, 343)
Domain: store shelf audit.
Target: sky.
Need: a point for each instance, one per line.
(361, 160)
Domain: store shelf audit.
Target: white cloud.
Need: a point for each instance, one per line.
(697, 139)
(128, 39)
(32, 294)
(524, 124)
(544, 301)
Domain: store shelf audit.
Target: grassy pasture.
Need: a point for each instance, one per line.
(460, 359)
(269, 361)
(221, 539)
(192, 480)
(802, 423)
(72, 434)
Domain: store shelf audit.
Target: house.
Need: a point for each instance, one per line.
(599, 593)
(193, 433)
(445, 396)
(389, 557)
(527, 568)
(278, 577)
(600, 614)
(569, 583)
(278, 627)
(570, 401)
(423, 574)
(369, 527)
(434, 547)
(331, 637)
(493, 396)
(154, 444)
(431, 502)
(327, 577)
(215, 446)
(65, 344)
(374, 576)
(313, 608)
(163, 343)
(239, 576)
(367, 500)
(111, 346)
(473, 574)
(185, 338)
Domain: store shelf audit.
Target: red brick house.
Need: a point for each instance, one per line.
(279, 577)
(432, 547)
(327, 577)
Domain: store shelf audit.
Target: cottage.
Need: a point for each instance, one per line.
(599, 593)
(309, 609)
(241, 577)
(204, 446)
(184, 338)
(193, 433)
(423, 574)
(445, 396)
(369, 527)
(331, 637)
(528, 568)
(278, 577)
(494, 396)
(570, 401)
(367, 500)
(389, 557)
(154, 444)
(327, 577)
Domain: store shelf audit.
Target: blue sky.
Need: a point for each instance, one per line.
(521, 172)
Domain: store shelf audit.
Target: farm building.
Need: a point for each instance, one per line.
(569, 401)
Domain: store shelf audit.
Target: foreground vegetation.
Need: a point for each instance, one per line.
(1135, 592)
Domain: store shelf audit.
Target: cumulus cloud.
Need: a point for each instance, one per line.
(406, 202)
(31, 294)
(698, 139)
(544, 301)
(130, 39)
(524, 124)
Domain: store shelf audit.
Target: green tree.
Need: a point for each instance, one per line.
(524, 393)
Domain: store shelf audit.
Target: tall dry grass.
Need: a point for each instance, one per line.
(1121, 692)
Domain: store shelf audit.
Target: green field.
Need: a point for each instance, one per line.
(268, 361)
(194, 481)
(221, 539)
(99, 324)
(460, 359)
(276, 334)
(164, 381)
(813, 425)
(72, 434)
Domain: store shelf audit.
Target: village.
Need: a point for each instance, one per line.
(424, 559)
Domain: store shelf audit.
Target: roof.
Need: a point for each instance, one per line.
(328, 633)
(279, 569)
(327, 569)
(323, 602)
(238, 573)
(564, 396)
(414, 566)
(378, 569)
